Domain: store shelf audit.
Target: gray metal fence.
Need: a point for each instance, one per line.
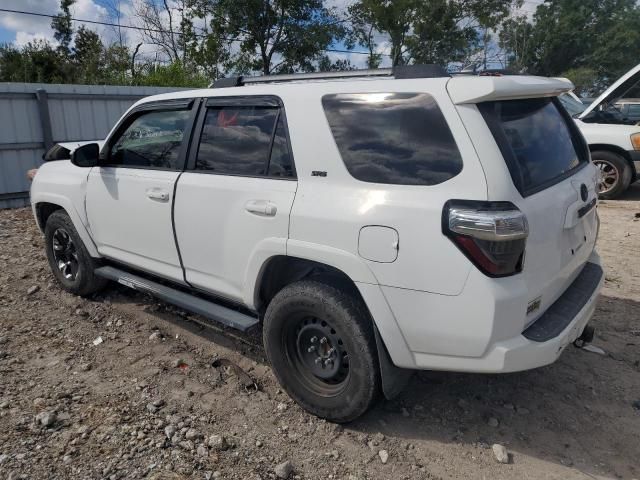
(34, 116)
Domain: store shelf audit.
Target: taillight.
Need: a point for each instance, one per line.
(493, 235)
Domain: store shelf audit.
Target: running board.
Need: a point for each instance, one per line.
(213, 311)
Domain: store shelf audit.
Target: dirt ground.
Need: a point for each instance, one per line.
(146, 402)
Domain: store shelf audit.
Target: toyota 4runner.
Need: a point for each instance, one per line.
(372, 222)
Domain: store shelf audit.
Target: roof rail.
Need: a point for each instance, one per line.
(399, 72)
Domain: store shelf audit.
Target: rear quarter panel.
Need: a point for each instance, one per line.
(330, 211)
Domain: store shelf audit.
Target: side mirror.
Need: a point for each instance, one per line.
(86, 155)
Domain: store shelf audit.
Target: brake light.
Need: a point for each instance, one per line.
(493, 235)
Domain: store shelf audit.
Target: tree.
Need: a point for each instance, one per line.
(166, 34)
(577, 36)
(88, 53)
(391, 18)
(437, 31)
(62, 27)
(274, 36)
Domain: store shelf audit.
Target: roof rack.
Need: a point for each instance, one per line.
(398, 72)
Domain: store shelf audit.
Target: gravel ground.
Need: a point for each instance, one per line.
(120, 386)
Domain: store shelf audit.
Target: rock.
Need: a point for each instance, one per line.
(500, 453)
(39, 402)
(192, 434)
(283, 470)
(4, 340)
(493, 422)
(258, 443)
(405, 413)
(3, 458)
(66, 459)
(155, 337)
(81, 313)
(33, 290)
(85, 367)
(46, 419)
(186, 445)
(202, 451)
(384, 456)
(153, 407)
(97, 341)
(522, 411)
(509, 406)
(169, 431)
(281, 407)
(636, 404)
(217, 443)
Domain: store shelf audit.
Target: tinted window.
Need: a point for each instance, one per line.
(153, 139)
(539, 143)
(280, 164)
(399, 138)
(242, 140)
(634, 111)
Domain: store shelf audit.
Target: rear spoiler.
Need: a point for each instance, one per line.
(474, 89)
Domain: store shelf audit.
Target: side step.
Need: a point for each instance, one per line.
(227, 316)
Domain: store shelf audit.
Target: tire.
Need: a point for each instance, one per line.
(339, 391)
(616, 173)
(63, 244)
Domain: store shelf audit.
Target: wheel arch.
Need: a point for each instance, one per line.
(44, 206)
(393, 351)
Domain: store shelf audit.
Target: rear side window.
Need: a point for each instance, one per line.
(395, 138)
(539, 141)
(153, 139)
(244, 141)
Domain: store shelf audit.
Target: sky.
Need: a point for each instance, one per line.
(21, 29)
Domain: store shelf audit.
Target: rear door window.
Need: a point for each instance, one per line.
(538, 139)
(244, 140)
(394, 138)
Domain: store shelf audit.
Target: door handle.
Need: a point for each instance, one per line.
(264, 208)
(157, 194)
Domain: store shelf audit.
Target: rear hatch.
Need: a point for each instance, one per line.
(548, 177)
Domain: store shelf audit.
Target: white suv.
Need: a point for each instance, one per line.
(373, 222)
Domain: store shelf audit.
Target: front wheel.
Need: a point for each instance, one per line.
(615, 174)
(321, 346)
(70, 262)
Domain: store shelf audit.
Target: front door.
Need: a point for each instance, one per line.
(130, 196)
(233, 201)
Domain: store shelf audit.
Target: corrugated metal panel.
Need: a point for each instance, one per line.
(77, 112)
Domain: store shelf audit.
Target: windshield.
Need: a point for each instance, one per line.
(574, 106)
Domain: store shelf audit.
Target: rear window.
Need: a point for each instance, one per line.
(395, 138)
(538, 139)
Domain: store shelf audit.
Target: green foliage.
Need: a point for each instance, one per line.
(585, 79)
(437, 31)
(594, 40)
(274, 36)
(62, 26)
(172, 75)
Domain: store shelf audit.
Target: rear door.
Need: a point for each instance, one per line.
(233, 201)
(130, 195)
(548, 161)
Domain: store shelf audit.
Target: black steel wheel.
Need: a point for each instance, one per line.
(318, 353)
(320, 343)
(70, 262)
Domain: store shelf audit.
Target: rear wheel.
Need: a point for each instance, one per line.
(68, 258)
(615, 173)
(320, 343)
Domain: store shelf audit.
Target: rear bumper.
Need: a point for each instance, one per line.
(474, 338)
